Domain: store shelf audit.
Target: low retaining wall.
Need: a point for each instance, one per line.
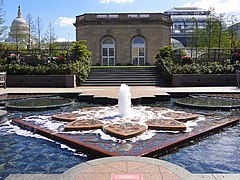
(203, 80)
(68, 81)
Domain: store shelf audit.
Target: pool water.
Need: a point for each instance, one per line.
(24, 152)
(26, 155)
(218, 153)
(209, 102)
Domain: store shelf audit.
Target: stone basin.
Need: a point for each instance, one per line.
(166, 124)
(83, 124)
(124, 131)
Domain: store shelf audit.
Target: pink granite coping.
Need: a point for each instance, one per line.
(127, 166)
(127, 170)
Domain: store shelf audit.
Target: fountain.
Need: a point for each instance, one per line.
(124, 129)
(124, 100)
(85, 128)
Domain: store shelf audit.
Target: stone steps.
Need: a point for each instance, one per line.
(142, 76)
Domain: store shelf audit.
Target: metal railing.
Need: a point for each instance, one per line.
(210, 55)
(164, 69)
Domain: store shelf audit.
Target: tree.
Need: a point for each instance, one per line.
(50, 37)
(39, 27)
(2, 14)
(193, 41)
(215, 34)
(232, 20)
(81, 62)
(31, 29)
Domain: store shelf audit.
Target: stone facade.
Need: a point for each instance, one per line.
(121, 39)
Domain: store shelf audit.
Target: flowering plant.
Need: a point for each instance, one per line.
(235, 56)
(186, 60)
(61, 58)
(12, 57)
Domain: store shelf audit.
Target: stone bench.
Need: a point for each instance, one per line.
(3, 76)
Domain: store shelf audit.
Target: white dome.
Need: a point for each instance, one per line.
(19, 27)
(19, 21)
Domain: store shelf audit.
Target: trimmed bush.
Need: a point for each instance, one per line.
(187, 66)
(79, 65)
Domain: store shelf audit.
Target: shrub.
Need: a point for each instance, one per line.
(185, 60)
(204, 68)
(190, 67)
(235, 56)
(80, 65)
(165, 52)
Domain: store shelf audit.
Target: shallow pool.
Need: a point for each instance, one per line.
(218, 153)
(24, 152)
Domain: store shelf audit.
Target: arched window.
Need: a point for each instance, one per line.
(108, 52)
(138, 51)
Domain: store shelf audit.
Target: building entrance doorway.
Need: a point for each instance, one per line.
(108, 52)
(138, 51)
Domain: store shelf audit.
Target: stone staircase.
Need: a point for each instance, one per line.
(132, 76)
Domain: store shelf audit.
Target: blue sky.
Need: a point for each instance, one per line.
(61, 13)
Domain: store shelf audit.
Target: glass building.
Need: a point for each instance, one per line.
(235, 29)
(185, 20)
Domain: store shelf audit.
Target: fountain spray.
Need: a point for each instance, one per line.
(124, 100)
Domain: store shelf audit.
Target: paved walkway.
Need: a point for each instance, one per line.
(112, 92)
(124, 168)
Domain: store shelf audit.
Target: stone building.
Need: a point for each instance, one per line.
(125, 38)
(19, 30)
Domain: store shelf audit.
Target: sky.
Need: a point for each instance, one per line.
(62, 13)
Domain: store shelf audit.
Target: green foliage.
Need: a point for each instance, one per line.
(214, 35)
(205, 68)
(81, 51)
(2, 20)
(16, 69)
(167, 66)
(186, 60)
(165, 52)
(81, 65)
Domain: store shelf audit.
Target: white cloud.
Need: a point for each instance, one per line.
(116, 1)
(228, 7)
(64, 40)
(65, 21)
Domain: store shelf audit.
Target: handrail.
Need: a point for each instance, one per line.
(164, 69)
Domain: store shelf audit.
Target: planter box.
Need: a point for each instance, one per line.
(67, 81)
(204, 80)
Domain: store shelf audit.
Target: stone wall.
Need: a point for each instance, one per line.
(155, 30)
(68, 81)
(203, 80)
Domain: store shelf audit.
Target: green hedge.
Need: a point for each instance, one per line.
(194, 67)
(15, 69)
(225, 67)
(80, 65)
